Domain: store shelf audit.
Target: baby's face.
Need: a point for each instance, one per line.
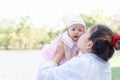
(75, 31)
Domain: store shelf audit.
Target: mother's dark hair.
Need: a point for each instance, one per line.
(102, 36)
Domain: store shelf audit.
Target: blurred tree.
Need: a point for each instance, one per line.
(23, 35)
(93, 19)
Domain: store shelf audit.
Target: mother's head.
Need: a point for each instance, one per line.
(98, 40)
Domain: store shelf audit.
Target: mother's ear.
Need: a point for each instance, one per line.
(90, 45)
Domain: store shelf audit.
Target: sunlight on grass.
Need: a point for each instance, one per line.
(116, 73)
(115, 66)
(115, 62)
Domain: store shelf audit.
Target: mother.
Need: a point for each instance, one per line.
(97, 47)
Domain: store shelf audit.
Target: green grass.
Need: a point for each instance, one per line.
(115, 66)
(116, 73)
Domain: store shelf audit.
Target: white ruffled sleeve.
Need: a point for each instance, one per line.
(45, 70)
(81, 67)
(50, 71)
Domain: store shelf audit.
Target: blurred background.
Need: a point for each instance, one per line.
(22, 20)
(26, 25)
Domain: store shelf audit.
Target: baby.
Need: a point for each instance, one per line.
(75, 28)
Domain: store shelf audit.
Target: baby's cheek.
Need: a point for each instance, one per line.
(80, 34)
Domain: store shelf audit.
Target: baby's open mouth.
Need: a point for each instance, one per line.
(75, 36)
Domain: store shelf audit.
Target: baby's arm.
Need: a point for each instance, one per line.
(68, 52)
(64, 51)
(60, 52)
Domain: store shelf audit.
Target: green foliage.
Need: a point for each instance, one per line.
(93, 19)
(21, 34)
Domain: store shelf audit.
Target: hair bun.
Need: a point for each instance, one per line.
(103, 49)
(101, 45)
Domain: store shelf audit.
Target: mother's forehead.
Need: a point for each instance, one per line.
(92, 29)
(89, 29)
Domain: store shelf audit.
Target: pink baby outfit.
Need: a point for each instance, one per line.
(49, 50)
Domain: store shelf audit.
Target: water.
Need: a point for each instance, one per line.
(19, 65)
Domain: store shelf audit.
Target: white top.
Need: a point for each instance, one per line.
(82, 67)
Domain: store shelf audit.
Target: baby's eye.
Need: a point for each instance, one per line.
(73, 29)
(80, 30)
